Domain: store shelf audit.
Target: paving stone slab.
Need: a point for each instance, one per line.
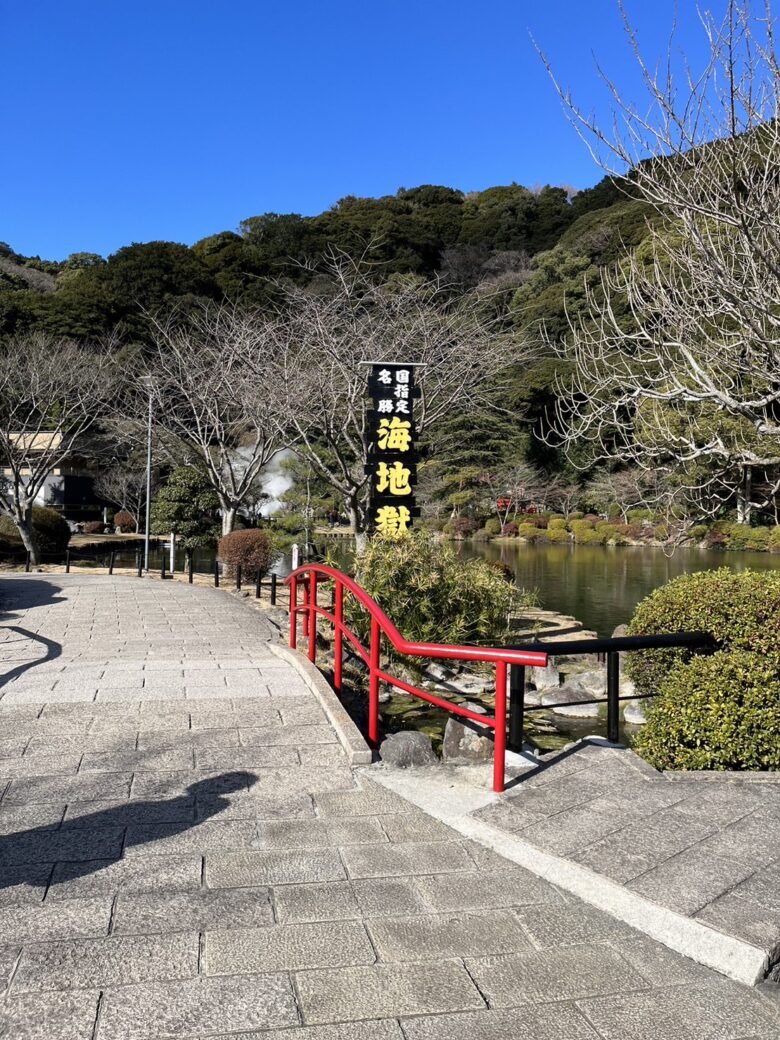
(114, 961)
(106, 877)
(80, 788)
(166, 839)
(296, 736)
(386, 991)
(659, 965)
(387, 1029)
(262, 806)
(49, 1016)
(199, 910)
(124, 814)
(417, 827)
(570, 925)
(754, 922)
(548, 975)
(553, 1022)
(40, 765)
(48, 846)
(445, 892)
(445, 936)
(293, 947)
(68, 919)
(365, 861)
(689, 881)
(243, 869)
(373, 801)
(328, 901)
(161, 739)
(200, 1007)
(15, 818)
(720, 1010)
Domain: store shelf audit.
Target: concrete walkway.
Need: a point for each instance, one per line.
(186, 853)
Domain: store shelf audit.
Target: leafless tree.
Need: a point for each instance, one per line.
(124, 486)
(214, 383)
(52, 391)
(326, 330)
(677, 359)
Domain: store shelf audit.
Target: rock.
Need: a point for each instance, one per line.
(407, 748)
(634, 713)
(436, 672)
(466, 743)
(478, 709)
(545, 678)
(385, 697)
(620, 631)
(569, 697)
(594, 681)
(627, 688)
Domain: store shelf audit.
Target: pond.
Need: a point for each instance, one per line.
(601, 585)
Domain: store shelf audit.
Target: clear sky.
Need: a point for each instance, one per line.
(132, 120)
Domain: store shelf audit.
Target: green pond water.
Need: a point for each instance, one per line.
(601, 585)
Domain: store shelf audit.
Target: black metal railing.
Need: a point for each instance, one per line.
(611, 648)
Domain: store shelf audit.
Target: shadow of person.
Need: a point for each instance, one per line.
(25, 649)
(91, 842)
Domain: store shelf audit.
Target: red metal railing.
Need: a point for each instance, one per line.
(381, 625)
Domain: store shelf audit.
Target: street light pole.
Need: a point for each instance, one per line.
(148, 384)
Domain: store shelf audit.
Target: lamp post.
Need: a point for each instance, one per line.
(147, 381)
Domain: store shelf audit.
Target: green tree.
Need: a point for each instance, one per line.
(187, 505)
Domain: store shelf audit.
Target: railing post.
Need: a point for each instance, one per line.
(162, 565)
(238, 577)
(613, 696)
(27, 564)
(293, 611)
(338, 613)
(516, 706)
(312, 616)
(111, 562)
(216, 574)
(67, 561)
(258, 579)
(273, 590)
(305, 604)
(190, 567)
(373, 683)
(499, 747)
(139, 563)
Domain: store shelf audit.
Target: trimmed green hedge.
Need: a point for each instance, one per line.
(718, 712)
(51, 530)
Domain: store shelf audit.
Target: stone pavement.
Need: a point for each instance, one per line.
(185, 853)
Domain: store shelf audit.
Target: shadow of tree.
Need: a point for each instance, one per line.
(18, 594)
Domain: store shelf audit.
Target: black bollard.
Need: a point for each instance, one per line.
(111, 562)
(27, 564)
(216, 574)
(139, 563)
(162, 565)
(273, 590)
(238, 577)
(258, 587)
(67, 561)
(190, 566)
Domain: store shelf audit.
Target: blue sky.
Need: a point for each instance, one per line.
(175, 119)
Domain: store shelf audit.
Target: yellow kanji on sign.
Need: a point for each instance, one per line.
(393, 478)
(392, 520)
(394, 434)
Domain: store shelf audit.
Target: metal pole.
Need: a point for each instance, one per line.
(613, 697)
(338, 613)
(162, 565)
(373, 683)
(67, 561)
(216, 574)
(516, 706)
(173, 552)
(312, 616)
(293, 611)
(258, 579)
(499, 747)
(190, 566)
(273, 590)
(148, 484)
(139, 563)
(27, 563)
(238, 577)
(111, 562)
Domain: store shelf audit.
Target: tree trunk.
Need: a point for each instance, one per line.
(744, 505)
(228, 519)
(27, 534)
(356, 523)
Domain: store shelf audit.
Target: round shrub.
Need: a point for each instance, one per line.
(576, 515)
(493, 525)
(718, 712)
(51, 530)
(463, 527)
(639, 514)
(94, 527)
(697, 532)
(539, 520)
(125, 521)
(556, 534)
(509, 530)
(556, 523)
(740, 610)
(580, 525)
(590, 537)
(528, 531)
(594, 519)
(482, 535)
(743, 536)
(252, 550)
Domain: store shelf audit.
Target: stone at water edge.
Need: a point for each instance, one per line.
(407, 748)
(466, 743)
(620, 631)
(634, 713)
(595, 681)
(545, 678)
(571, 694)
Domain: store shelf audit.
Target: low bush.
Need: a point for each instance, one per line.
(555, 534)
(718, 712)
(740, 610)
(639, 514)
(580, 525)
(606, 527)
(94, 527)
(51, 530)
(509, 530)
(555, 516)
(528, 531)
(593, 517)
(463, 527)
(576, 515)
(125, 521)
(590, 537)
(252, 550)
(743, 536)
(661, 532)
(556, 523)
(697, 532)
(493, 525)
(774, 538)
(431, 594)
(482, 535)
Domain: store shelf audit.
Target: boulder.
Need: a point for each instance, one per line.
(545, 678)
(634, 713)
(595, 682)
(466, 742)
(620, 631)
(569, 696)
(627, 688)
(407, 748)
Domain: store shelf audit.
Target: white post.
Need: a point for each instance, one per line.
(295, 556)
(173, 552)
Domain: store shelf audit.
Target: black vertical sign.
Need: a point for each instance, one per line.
(392, 458)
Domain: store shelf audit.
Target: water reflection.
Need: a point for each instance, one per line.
(601, 585)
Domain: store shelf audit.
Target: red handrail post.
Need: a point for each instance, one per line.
(499, 747)
(338, 610)
(293, 610)
(373, 684)
(305, 604)
(312, 615)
